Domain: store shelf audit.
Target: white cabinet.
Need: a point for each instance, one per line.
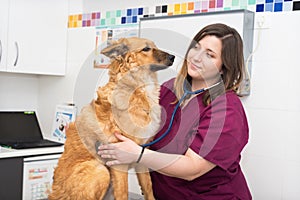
(36, 40)
(3, 33)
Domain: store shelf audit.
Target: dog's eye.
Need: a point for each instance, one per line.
(146, 49)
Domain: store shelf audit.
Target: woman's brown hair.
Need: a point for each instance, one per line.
(232, 58)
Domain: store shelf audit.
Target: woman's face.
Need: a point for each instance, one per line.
(204, 60)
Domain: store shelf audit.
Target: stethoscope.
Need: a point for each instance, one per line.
(186, 92)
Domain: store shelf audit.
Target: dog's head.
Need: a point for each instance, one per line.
(129, 53)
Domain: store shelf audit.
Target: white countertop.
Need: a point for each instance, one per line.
(8, 153)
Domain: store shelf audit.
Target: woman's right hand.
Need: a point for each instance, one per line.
(124, 152)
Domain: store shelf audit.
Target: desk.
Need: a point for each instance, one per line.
(10, 153)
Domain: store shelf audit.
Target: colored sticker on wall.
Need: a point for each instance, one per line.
(132, 15)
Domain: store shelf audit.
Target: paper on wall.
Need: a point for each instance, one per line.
(64, 114)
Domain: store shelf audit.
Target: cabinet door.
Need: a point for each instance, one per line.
(11, 170)
(37, 39)
(4, 5)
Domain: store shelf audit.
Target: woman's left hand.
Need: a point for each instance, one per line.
(124, 152)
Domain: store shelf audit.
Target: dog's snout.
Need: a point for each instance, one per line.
(171, 58)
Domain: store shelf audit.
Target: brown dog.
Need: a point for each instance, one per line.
(128, 104)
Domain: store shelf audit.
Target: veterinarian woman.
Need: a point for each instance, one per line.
(199, 156)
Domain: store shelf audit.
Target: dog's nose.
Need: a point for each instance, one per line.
(171, 58)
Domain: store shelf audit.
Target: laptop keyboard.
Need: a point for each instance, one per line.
(35, 144)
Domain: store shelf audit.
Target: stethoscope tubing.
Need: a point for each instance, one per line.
(186, 92)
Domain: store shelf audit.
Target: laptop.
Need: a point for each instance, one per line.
(21, 130)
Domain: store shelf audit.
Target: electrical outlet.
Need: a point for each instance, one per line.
(262, 22)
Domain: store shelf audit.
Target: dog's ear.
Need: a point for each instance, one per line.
(117, 48)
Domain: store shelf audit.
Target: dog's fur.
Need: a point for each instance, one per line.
(128, 104)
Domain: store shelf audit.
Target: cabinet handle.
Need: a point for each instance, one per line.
(17, 56)
(0, 51)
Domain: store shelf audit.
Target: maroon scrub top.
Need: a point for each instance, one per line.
(218, 133)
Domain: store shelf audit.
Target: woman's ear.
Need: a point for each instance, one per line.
(222, 69)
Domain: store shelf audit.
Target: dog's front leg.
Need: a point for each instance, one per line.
(119, 175)
(145, 182)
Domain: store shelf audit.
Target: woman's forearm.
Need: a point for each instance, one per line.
(188, 166)
(158, 161)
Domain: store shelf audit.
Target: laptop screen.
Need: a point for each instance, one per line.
(19, 126)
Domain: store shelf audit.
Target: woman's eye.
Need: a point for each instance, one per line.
(197, 46)
(146, 49)
(209, 55)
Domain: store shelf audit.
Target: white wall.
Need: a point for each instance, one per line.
(18, 91)
(272, 157)
(271, 160)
